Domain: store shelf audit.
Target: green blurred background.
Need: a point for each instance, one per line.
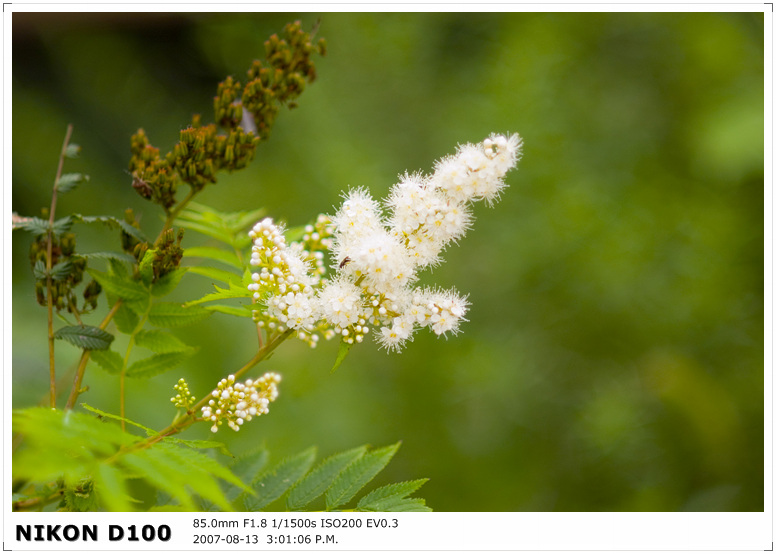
(614, 355)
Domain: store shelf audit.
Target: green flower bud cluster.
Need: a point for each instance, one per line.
(184, 398)
(67, 270)
(290, 68)
(247, 114)
(168, 253)
(153, 178)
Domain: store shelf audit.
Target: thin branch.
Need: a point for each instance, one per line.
(79, 374)
(191, 414)
(49, 254)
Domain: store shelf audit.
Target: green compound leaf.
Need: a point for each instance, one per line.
(118, 256)
(384, 498)
(235, 290)
(177, 470)
(217, 274)
(111, 222)
(80, 448)
(146, 266)
(39, 270)
(228, 228)
(344, 349)
(200, 445)
(122, 287)
(215, 254)
(100, 413)
(167, 283)
(61, 271)
(318, 480)
(72, 151)
(170, 314)
(239, 311)
(158, 364)
(109, 360)
(126, 319)
(61, 226)
(277, 480)
(34, 225)
(357, 475)
(69, 181)
(160, 341)
(85, 336)
(111, 488)
(247, 468)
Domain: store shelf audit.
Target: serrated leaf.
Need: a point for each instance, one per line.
(235, 290)
(157, 364)
(85, 336)
(344, 349)
(357, 475)
(61, 270)
(271, 485)
(39, 270)
(177, 469)
(160, 341)
(121, 287)
(111, 222)
(389, 494)
(239, 311)
(118, 256)
(319, 479)
(62, 225)
(146, 266)
(170, 314)
(205, 229)
(159, 471)
(247, 468)
(126, 319)
(200, 445)
(216, 254)
(396, 504)
(216, 273)
(167, 283)
(34, 225)
(63, 443)
(109, 360)
(69, 181)
(72, 151)
(100, 413)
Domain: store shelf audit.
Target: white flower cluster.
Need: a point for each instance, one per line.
(378, 258)
(237, 403)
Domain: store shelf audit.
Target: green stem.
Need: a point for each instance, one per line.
(171, 216)
(37, 502)
(191, 414)
(49, 255)
(122, 377)
(75, 390)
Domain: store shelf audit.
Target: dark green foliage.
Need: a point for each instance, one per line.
(85, 336)
(339, 477)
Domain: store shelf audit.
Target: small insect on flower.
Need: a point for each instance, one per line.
(344, 262)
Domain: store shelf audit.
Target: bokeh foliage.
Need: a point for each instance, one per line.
(614, 355)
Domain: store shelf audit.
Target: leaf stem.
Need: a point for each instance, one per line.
(79, 374)
(38, 501)
(49, 254)
(171, 216)
(191, 414)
